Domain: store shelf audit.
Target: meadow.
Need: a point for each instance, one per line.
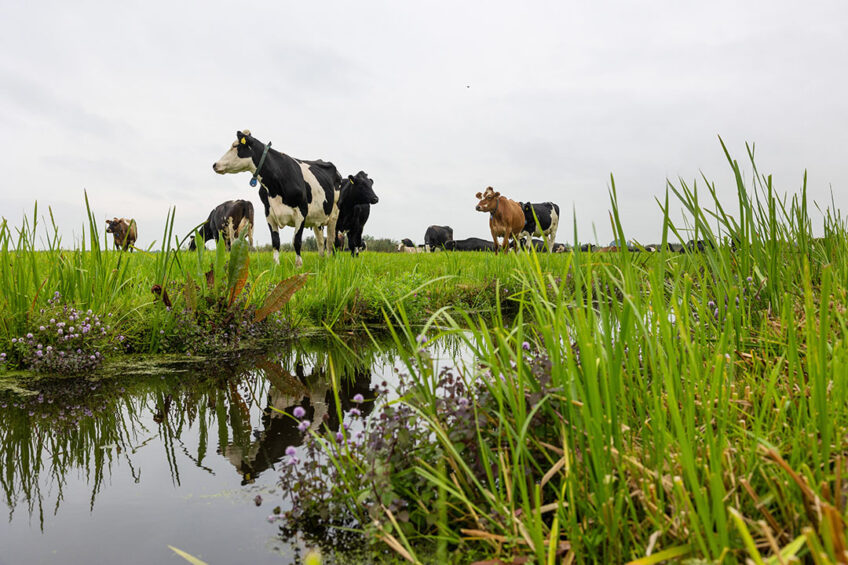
(619, 407)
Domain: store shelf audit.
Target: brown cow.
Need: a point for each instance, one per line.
(506, 217)
(125, 232)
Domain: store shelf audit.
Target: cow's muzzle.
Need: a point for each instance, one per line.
(375, 200)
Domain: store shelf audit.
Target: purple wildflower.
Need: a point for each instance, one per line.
(358, 398)
(304, 425)
(291, 451)
(299, 412)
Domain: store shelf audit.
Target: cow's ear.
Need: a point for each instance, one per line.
(497, 195)
(479, 196)
(242, 136)
(350, 178)
(527, 206)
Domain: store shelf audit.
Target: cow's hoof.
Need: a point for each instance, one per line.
(298, 262)
(277, 257)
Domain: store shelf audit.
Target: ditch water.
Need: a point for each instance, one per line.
(115, 470)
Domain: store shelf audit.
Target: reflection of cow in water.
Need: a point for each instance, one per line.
(279, 428)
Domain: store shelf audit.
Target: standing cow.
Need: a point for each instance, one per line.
(436, 236)
(540, 220)
(125, 232)
(357, 196)
(506, 217)
(228, 220)
(294, 192)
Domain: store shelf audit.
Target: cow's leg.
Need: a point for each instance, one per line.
(296, 243)
(230, 231)
(250, 233)
(354, 241)
(275, 242)
(319, 239)
(331, 234)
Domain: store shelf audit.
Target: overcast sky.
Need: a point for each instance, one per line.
(134, 101)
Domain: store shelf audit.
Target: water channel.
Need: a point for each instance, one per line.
(116, 469)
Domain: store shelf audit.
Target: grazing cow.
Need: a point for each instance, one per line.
(469, 244)
(588, 247)
(125, 232)
(294, 192)
(407, 242)
(506, 217)
(436, 236)
(540, 220)
(561, 248)
(701, 245)
(402, 248)
(357, 196)
(227, 220)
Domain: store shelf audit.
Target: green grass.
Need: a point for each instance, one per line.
(650, 411)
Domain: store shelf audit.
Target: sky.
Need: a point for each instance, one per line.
(132, 102)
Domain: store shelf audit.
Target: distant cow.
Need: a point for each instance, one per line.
(537, 244)
(294, 192)
(469, 244)
(436, 236)
(561, 248)
(589, 247)
(403, 248)
(228, 220)
(407, 242)
(540, 220)
(125, 232)
(357, 196)
(506, 217)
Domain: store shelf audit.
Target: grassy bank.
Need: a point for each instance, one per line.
(635, 410)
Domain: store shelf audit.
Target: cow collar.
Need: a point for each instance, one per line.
(261, 162)
(492, 213)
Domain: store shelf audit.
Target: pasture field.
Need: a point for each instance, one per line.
(618, 407)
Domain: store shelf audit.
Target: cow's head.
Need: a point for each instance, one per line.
(360, 190)
(115, 225)
(488, 200)
(239, 157)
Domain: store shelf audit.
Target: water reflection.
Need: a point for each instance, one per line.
(192, 421)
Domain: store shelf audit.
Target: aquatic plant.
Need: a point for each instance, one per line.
(64, 340)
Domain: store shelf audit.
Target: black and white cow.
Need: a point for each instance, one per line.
(295, 192)
(436, 236)
(469, 244)
(407, 242)
(561, 248)
(228, 220)
(540, 220)
(357, 196)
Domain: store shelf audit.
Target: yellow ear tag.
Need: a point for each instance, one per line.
(351, 182)
(243, 141)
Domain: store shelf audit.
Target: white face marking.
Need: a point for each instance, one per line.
(230, 162)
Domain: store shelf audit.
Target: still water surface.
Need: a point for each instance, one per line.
(114, 470)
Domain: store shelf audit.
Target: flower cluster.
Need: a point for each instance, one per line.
(750, 297)
(64, 340)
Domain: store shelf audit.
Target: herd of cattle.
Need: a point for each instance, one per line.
(300, 194)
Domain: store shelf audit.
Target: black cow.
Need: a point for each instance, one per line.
(547, 214)
(227, 220)
(470, 244)
(701, 245)
(588, 247)
(357, 196)
(436, 236)
(407, 242)
(295, 192)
